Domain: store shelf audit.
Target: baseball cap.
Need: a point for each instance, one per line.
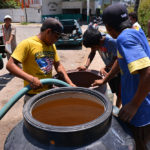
(115, 14)
(7, 17)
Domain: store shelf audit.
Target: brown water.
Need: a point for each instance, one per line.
(67, 112)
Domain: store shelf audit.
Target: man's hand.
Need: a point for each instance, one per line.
(35, 83)
(73, 85)
(103, 72)
(98, 82)
(81, 68)
(8, 42)
(128, 111)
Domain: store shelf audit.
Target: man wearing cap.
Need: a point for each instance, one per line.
(134, 64)
(38, 55)
(9, 34)
(134, 20)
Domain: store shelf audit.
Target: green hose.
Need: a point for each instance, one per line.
(24, 90)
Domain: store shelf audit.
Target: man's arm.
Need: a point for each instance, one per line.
(90, 58)
(104, 71)
(114, 70)
(130, 109)
(88, 62)
(12, 35)
(61, 70)
(14, 69)
(10, 39)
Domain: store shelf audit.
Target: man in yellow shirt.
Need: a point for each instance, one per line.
(38, 55)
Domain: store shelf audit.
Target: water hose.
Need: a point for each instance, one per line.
(24, 90)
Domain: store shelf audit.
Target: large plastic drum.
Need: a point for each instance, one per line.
(99, 131)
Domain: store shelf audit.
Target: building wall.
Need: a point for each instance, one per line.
(72, 5)
(51, 7)
(98, 4)
(18, 15)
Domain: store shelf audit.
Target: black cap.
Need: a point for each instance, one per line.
(53, 24)
(115, 14)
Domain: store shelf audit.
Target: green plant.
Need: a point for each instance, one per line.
(144, 14)
(130, 9)
(24, 23)
(9, 4)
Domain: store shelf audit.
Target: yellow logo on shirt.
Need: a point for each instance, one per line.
(119, 55)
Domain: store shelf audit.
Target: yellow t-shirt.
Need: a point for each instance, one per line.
(37, 59)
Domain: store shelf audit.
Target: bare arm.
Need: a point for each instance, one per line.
(14, 69)
(10, 39)
(89, 60)
(61, 70)
(114, 70)
(104, 71)
(130, 109)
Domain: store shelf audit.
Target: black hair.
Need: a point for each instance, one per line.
(52, 23)
(91, 37)
(133, 15)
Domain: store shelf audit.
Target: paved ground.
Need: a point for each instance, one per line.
(71, 58)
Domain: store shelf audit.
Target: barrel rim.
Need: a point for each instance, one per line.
(28, 116)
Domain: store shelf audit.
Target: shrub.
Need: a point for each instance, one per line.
(9, 4)
(130, 9)
(144, 14)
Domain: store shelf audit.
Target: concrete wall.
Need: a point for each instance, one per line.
(92, 6)
(18, 15)
(51, 7)
(72, 5)
(54, 7)
(98, 4)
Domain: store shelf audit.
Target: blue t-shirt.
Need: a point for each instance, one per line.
(109, 50)
(133, 54)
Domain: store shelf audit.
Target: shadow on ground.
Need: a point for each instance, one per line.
(4, 79)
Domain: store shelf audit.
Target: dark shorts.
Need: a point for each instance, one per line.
(141, 136)
(115, 84)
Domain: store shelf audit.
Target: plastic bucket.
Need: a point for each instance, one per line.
(84, 79)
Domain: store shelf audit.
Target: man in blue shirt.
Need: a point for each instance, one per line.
(134, 62)
(107, 48)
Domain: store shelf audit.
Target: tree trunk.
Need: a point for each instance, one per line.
(102, 5)
(25, 10)
(136, 6)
